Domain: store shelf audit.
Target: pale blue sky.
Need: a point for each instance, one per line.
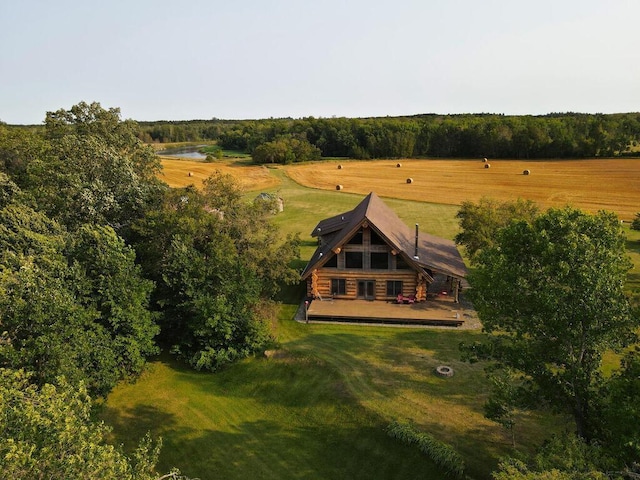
(198, 59)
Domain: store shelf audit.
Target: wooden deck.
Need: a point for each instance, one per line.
(440, 311)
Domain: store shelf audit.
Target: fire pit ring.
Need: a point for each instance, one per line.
(444, 371)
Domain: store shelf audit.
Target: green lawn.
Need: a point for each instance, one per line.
(260, 419)
(318, 409)
(305, 207)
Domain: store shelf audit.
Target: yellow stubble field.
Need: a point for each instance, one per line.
(180, 173)
(592, 185)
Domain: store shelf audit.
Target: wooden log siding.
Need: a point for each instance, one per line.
(374, 232)
(323, 282)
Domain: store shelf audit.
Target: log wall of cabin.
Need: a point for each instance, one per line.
(324, 276)
(367, 244)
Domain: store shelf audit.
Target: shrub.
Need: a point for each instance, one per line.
(439, 452)
(635, 225)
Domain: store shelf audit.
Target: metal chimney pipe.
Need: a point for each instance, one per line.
(415, 255)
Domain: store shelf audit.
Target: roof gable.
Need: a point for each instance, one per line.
(433, 252)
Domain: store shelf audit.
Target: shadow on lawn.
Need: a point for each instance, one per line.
(396, 360)
(133, 423)
(270, 450)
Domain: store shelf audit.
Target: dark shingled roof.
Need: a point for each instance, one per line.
(434, 253)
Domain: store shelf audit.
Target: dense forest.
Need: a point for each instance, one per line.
(561, 135)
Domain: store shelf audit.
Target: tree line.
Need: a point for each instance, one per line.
(559, 135)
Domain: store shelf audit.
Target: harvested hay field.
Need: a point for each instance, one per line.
(592, 185)
(180, 173)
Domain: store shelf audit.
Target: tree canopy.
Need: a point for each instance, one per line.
(215, 260)
(46, 432)
(107, 174)
(73, 300)
(551, 297)
(285, 150)
(72, 304)
(480, 222)
(549, 288)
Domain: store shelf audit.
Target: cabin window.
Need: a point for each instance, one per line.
(394, 288)
(379, 260)
(353, 259)
(376, 239)
(332, 262)
(401, 264)
(338, 286)
(356, 239)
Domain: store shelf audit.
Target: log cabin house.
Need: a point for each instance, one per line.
(369, 253)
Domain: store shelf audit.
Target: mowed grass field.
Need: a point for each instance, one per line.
(319, 407)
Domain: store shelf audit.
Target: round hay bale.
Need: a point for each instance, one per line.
(339, 167)
(398, 165)
(444, 371)
(409, 180)
(191, 174)
(526, 172)
(487, 165)
(484, 160)
(338, 187)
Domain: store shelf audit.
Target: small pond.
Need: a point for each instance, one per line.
(190, 152)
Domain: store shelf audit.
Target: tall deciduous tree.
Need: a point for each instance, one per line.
(480, 222)
(215, 260)
(95, 169)
(71, 304)
(550, 294)
(47, 433)
(620, 428)
(285, 150)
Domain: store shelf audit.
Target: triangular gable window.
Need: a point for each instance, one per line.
(356, 239)
(376, 239)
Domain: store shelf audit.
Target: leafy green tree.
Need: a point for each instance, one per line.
(561, 458)
(9, 191)
(621, 422)
(47, 433)
(106, 280)
(480, 222)
(107, 175)
(257, 240)
(550, 295)
(635, 225)
(91, 120)
(18, 147)
(215, 260)
(285, 150)
(70, 305)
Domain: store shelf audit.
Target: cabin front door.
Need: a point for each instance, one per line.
(367, 289)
